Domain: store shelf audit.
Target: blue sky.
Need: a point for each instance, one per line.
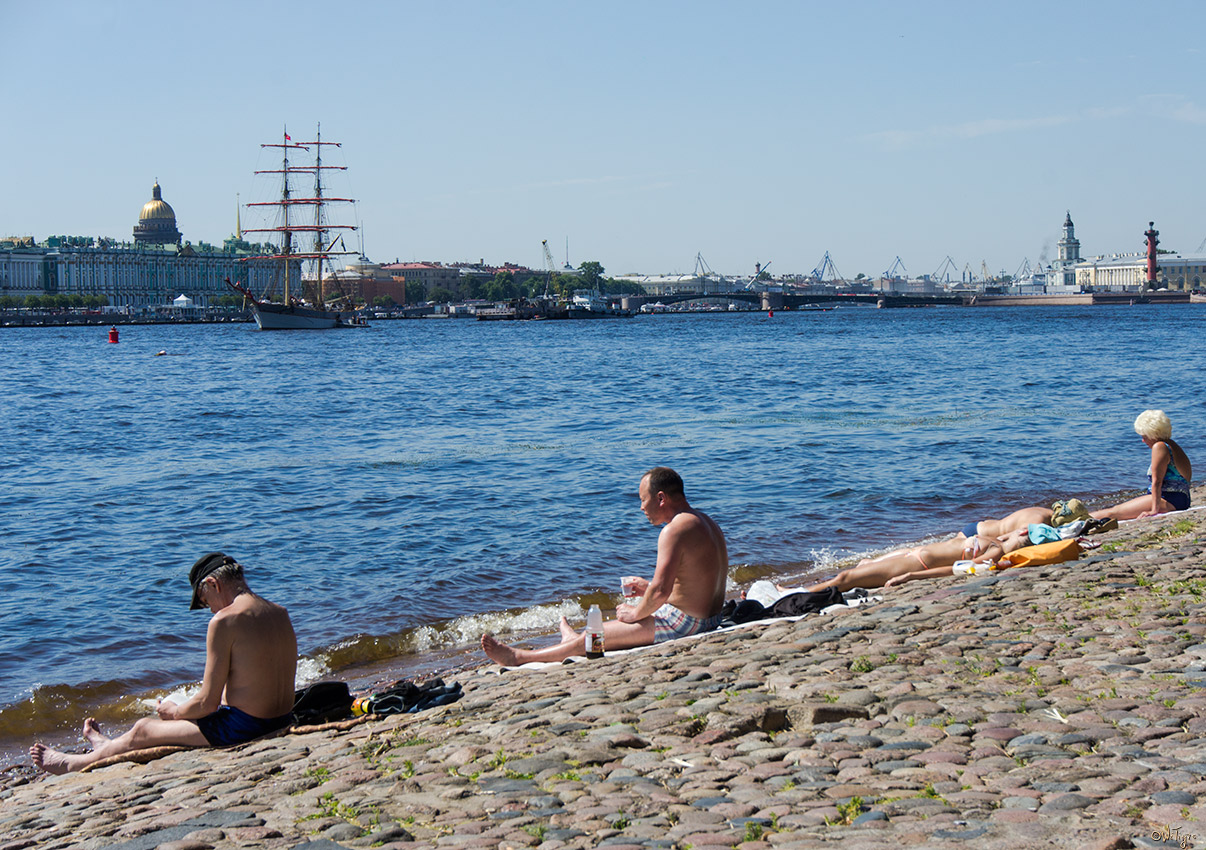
(644, 133)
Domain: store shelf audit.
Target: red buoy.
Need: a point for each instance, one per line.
(770, 314)
(113, 334)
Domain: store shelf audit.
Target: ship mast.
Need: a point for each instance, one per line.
(287, 246)
(319, 241)
(292, 225)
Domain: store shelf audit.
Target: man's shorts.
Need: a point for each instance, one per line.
(670, 623)
(229, 726)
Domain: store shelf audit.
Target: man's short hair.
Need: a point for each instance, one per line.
(663, 479)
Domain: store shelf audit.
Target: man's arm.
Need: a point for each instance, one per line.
(219, 639)
(669, 555)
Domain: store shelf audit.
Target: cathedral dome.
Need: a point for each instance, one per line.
(157, 221)
(157, 207)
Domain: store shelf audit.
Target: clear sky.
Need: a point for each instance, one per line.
(642, 132)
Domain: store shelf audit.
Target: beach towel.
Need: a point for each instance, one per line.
(1056, 552)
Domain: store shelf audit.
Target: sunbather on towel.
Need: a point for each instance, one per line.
(247, 692)
(683, 598)
(929, 561)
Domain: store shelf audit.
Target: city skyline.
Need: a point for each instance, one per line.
(641, 133)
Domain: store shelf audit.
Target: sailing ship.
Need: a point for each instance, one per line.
(300, 219)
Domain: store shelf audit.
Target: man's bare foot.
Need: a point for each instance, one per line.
(93, 734)
(51, 761)
(568, 632)
(499, 652)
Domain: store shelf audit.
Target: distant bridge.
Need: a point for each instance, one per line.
(790, 301)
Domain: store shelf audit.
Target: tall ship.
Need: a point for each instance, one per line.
(300, 235)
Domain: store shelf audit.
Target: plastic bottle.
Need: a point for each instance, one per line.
(594, 632)
(964, 568)
(362, 705)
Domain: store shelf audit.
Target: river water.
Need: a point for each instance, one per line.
(405, 487)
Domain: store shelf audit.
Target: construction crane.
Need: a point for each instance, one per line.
(549, 265)
(897, 265)
(984, 271)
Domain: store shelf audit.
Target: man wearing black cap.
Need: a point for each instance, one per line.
(247, 692)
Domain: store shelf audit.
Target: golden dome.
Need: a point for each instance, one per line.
(157, 223)
(157, 207)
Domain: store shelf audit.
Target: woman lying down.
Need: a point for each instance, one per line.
(930, 561)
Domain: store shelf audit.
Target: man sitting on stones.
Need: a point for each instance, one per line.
(683, 598)
(247, 691)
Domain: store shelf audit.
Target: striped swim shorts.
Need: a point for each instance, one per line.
(670, 623)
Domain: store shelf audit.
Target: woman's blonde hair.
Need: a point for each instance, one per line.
(1153, 424)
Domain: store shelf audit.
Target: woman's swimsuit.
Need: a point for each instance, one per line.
(1174, 488)
(229, 726)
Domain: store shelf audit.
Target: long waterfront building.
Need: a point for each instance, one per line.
(150, 271)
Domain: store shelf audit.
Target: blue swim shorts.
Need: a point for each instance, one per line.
(670, 623)
(229, 726)
(971, 529)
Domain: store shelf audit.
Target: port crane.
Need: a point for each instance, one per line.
(896, 266)
(826, 266)
(948, 265)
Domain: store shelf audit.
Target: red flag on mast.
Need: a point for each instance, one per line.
(288, 138)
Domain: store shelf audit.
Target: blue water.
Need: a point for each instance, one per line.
(404, 487)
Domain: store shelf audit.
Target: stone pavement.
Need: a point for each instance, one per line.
(1053, 706)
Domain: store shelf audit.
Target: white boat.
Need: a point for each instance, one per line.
(292, 261)
(589, 304)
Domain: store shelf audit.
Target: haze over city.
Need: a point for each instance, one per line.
(639, 133)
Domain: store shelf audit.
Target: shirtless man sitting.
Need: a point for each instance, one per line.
(683, 598)
(247, 691)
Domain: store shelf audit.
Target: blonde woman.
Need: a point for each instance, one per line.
(1170, 472)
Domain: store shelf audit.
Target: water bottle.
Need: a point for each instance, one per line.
(594, 632)
(362, 706)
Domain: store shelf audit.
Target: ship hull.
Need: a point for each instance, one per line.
(282, 317)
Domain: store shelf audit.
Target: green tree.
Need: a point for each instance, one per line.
(7, 302)
(592, 274)
(383, 301)
(501, 288)
(415, 293)
(440, 295)
(33, 302)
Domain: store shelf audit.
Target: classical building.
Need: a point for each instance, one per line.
(152, 271)
(1128, 272)
(430, 275)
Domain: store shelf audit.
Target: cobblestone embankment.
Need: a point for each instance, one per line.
(1041, 707)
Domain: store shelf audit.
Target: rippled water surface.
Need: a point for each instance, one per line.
(419, 473)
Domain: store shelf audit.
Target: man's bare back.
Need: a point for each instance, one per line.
(262, 655)
(703, 559)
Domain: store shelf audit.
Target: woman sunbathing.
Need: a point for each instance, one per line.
(1169, 474)
(929, 561)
